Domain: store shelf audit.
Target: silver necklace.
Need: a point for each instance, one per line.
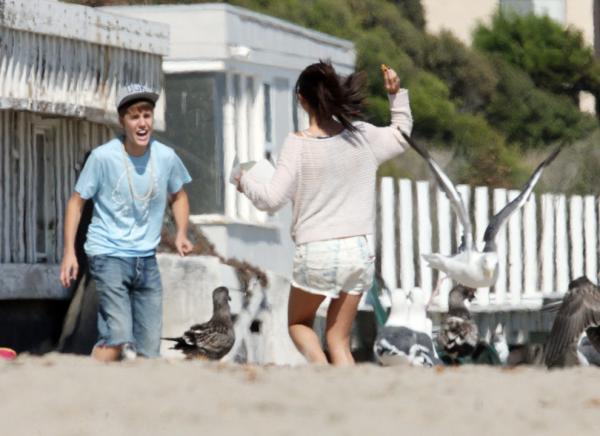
(135, 196)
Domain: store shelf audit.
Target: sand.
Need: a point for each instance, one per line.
(67, 395)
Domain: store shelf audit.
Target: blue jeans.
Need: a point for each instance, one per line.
(130, 302)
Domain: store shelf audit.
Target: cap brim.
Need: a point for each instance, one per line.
(138, 96)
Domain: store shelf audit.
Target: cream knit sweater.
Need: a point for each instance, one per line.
(331, 181)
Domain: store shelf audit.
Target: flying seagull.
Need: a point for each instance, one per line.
(471, 267)
(578, 312)
(212, 339)
(405, 339)
(458, 335)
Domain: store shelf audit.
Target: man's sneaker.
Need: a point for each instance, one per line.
(128, 352)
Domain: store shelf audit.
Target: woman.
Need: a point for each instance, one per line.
(328, 171)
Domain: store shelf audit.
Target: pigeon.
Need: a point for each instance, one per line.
(398, 342)
(458, 336)
(578, 312)
(471, 267)
(213, 339)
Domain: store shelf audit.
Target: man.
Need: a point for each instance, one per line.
(128, 179)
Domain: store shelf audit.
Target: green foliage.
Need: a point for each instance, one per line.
(470, 75)
(531, 116)
(555, 58)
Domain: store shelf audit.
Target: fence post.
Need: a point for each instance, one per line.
(576, 231)
(388, 233)
(445, 243)
(547, 247)
(591, 239)
(500, 286)
(405, 212)
(530, 270)
(515, 259)
(424, 235)
(562, 245)
(482, 210)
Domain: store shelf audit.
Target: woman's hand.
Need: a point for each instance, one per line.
(391, 81)
(238, 181)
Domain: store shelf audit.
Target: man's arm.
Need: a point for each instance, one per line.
(69, 266)
(180, 206)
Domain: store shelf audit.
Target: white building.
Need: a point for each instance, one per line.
(229, 90)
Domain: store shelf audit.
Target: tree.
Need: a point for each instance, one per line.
(556, 59)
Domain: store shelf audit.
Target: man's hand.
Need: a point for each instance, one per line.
(68, 269)
(183, 244)
(391, 81)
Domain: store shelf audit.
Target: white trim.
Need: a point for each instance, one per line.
(219, 219)
(192, 66)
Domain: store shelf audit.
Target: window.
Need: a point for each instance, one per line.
(194, 130)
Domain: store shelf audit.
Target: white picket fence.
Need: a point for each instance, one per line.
(550, 241)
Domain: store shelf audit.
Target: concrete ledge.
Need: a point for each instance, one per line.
(31, 281)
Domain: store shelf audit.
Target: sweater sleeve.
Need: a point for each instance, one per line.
(387, 142)
(276, 193)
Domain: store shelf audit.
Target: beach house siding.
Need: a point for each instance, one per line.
(60, 68)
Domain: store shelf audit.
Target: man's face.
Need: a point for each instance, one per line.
(137, 123)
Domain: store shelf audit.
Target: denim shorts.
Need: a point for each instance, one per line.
(335, 265)
(130, 302)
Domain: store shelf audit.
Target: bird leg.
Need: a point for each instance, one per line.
(436, 290)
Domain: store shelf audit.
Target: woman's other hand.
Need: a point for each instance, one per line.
(391, 81)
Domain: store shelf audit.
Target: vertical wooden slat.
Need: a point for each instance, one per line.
(229, 145)
(405, 212)
(241, 143)
(515, 259)
(482, 211)
(21, 188)
(9, 128)
(562, 245)
(500, 286)
(388, 233)
(547, 246)
(424, 229)
(591, 238)
(530, 267)
(576, 233)
(445, 242)
(3, 145)
(465, 193)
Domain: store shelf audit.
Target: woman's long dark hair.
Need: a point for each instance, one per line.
(328, 94)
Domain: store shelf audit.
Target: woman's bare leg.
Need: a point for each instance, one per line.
(340, 315)
(302, 308)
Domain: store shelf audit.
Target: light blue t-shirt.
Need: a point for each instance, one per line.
(130, 195)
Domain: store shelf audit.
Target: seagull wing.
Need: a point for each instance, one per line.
(449, 189)
(497, 220)
(579, 311)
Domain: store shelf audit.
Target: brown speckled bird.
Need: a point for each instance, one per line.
(212, 339)
(578, 312)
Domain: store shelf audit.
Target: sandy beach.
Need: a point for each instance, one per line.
(68, 395)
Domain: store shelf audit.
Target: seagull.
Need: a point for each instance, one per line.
(458, 335)
(214, 338)
(471, 267)
(578, 312)
(500, 345)
(398, 342)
